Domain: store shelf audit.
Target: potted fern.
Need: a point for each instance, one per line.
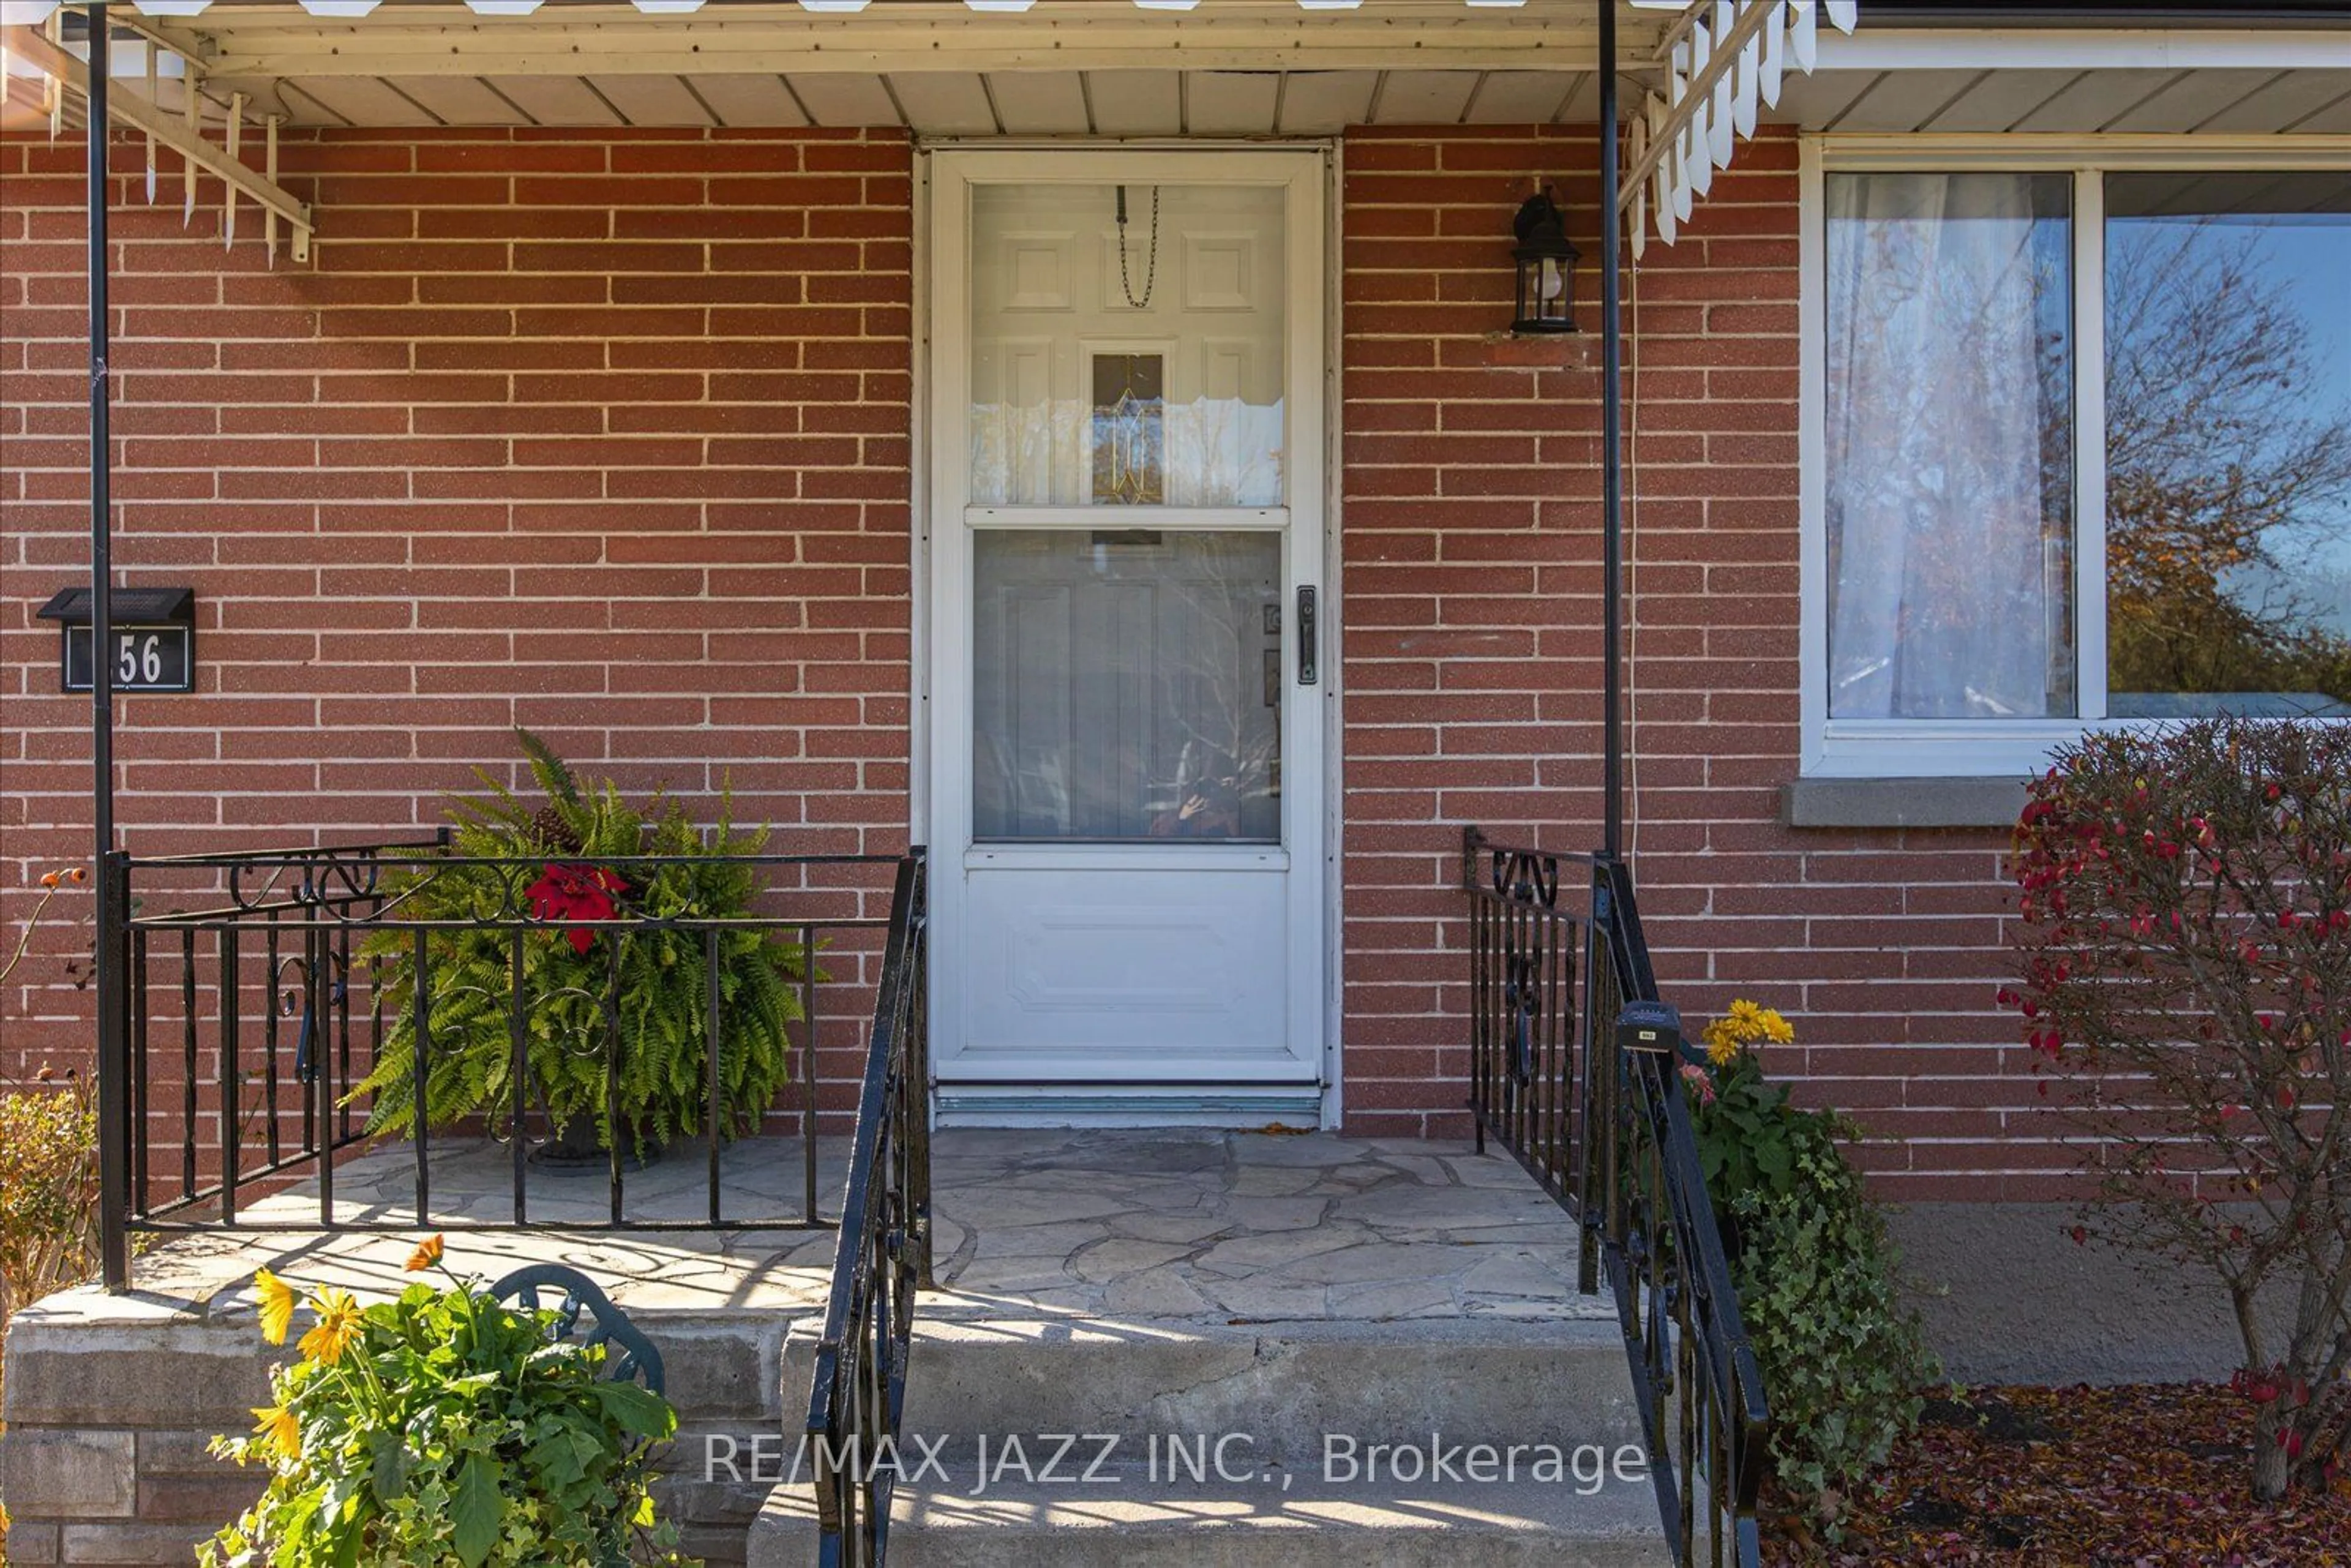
(568, 861)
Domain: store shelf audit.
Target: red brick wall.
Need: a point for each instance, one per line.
(601, 434)
(1470, 602)
(606, 434)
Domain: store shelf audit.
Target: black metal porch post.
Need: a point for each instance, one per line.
(113, 979)
(1612, 456)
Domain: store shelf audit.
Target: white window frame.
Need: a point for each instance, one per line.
(1942, 748)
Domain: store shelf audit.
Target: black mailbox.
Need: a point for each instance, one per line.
(1649, 1026)
(153, 633)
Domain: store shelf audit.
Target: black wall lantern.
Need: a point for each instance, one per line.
(1546, 267)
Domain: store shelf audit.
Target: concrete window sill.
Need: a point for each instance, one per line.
(1901, 802)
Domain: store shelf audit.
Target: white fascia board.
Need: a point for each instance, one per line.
(428, 41)
(2083, 49)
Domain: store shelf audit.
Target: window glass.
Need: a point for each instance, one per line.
(1134, 363)
(1950, 447)
(2228, 444)
(1127, 684)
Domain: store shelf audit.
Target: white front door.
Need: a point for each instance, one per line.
(1127, 658)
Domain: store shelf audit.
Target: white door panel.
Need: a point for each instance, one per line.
(1085, 967)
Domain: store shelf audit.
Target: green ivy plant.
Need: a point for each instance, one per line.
(443, 1430)
(654, 978)
(1845, 1363)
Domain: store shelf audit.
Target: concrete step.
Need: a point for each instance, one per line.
(1285, 1385)
(1490, 1440)
(1248, 1525)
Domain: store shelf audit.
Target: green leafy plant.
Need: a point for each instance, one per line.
(1749, 1137)
(443, 1430)
(1846, 1364)
(594, 955)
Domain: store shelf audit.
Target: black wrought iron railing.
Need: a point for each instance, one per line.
(1576, 1070)
(858, 1387)
(263, 990)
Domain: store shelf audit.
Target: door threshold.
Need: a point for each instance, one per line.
(1296, 1105)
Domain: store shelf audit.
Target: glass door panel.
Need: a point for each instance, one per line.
(1128, 683)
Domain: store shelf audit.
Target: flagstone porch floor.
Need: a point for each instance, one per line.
(1161, 1223)
(1134, 1282)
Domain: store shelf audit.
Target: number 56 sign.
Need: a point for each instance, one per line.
(146, 659)
(152, 643)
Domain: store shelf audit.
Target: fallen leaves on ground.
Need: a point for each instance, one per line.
(2143, 1476)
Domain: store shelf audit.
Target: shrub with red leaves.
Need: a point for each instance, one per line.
(2186, 944)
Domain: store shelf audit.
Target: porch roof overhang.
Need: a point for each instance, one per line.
(1700, 74)
(1104, 68)
(1233, 68)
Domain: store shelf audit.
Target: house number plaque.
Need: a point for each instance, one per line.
(146, 659)
(153, 639)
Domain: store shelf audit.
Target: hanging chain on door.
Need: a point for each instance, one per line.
(1151, 266)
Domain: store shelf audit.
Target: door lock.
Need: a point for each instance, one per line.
(1307, 631)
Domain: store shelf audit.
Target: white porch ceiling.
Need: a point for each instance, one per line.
(1135, 103)
(1129, 103)
(2075, 102)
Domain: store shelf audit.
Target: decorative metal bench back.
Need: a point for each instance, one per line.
(629, 1356)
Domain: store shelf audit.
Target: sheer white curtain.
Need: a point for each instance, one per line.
(1949, 448)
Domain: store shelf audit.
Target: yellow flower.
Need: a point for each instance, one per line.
(1747, 1024)
(1720, 1039)
(427, 1253)
(338, 1326)
(278, 1300)
(278, 1424)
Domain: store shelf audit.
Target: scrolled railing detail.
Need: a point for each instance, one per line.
(1523, 876)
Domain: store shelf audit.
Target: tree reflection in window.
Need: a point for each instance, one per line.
(2228, 444)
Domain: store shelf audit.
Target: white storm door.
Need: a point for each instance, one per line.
(1127, 719)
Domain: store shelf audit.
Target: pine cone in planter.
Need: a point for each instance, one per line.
(553, 833)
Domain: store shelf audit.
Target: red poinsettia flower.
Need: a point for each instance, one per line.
(575, 893)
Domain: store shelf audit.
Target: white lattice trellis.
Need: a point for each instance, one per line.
(1723, 61)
